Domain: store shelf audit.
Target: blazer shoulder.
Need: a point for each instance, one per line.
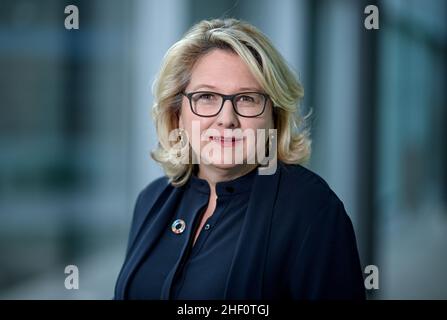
(146, 199)
(306, 191)
(304, 181)
(154, 188)
(149, 196)
(308, 203)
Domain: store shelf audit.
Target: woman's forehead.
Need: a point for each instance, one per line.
(222, 70)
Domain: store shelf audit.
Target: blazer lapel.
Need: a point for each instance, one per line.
(148, 237)
(245, 279)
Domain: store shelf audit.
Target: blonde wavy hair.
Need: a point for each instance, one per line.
(267, 66)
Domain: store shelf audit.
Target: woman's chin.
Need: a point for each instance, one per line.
(222, 164)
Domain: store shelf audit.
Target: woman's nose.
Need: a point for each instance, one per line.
(227, 117)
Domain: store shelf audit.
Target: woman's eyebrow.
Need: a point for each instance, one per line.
(208, 86)
(203, 86)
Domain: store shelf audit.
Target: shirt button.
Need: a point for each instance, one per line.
(230, 189)
(207, 226)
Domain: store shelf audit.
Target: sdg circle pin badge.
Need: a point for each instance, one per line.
(178, 226)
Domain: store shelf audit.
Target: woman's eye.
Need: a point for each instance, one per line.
(206, 96)
(246, 99)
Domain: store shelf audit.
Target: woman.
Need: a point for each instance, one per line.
(236, 216)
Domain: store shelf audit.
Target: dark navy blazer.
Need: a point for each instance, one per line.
(296, 242)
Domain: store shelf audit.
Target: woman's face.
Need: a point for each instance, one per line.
(226, 138)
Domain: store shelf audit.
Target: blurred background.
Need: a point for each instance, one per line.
(76, 130)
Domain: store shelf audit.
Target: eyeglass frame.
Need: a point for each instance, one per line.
(226, 97)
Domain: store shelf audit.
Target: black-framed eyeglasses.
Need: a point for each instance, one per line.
(209, 104)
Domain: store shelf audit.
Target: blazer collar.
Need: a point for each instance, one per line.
(147, 238)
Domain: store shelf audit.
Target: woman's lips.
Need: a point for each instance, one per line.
(225, 142)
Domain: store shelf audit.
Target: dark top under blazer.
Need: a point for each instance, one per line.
(200, 271)
(296, 242)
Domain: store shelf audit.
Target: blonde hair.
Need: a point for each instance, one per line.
(264, 61)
